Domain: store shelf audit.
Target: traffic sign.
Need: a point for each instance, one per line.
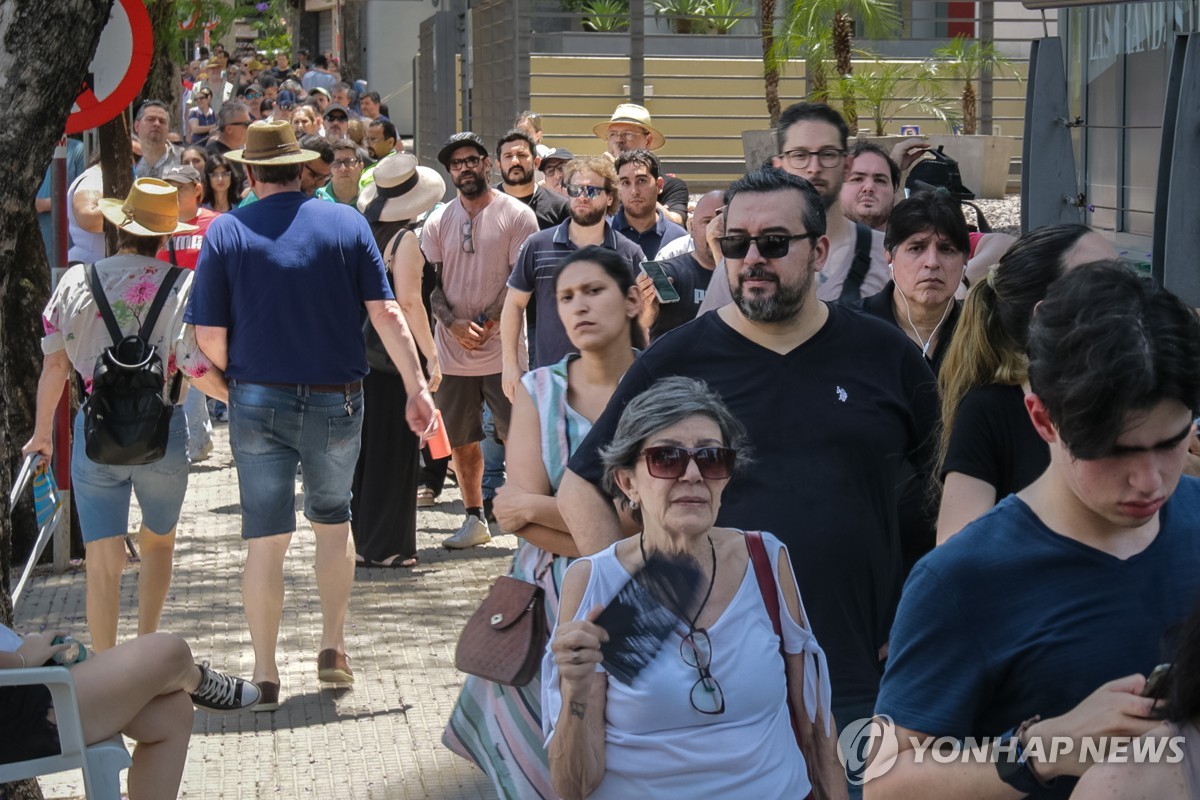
(119, 68)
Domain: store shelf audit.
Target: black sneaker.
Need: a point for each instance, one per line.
(488, 514)
(220, 692)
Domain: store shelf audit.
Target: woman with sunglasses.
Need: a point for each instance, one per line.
(500, 727)
(222, 187)
(712, 710)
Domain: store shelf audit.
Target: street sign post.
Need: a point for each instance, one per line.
(119, 68)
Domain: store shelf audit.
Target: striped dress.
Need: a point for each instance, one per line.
(498, 727)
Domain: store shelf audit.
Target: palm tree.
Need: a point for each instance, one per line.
(821, 30)
(887, 88)
(966, 60)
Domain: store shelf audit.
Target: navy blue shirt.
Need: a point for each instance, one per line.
(650, 241)
(288, 276)
(534, 272)
(1009, 619)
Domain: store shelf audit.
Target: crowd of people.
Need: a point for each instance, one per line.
(851, 458)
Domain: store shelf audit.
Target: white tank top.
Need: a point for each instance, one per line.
(86, 246)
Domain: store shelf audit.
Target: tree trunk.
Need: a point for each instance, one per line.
(115, 150)
(352, 68)
(39, 79)
(163, 82)
(970, 109)
(843, 42)
(771, 74)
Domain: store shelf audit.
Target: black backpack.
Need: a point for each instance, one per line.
(126, 421)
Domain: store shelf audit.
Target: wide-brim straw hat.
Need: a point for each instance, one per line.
(633, 114)
(151, 209)
(401, 190)
(271, 143)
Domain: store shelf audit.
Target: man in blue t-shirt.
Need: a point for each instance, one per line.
(279, 290)
(1035, 627)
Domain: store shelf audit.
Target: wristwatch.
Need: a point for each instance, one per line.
(1018, 772)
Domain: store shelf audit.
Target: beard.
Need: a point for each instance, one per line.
(872, 218)
(587, 217)
(522, 177)
(781, 306)
(470, 184)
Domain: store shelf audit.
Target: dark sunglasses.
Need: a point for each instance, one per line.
(771, 245)
(670, 461)
(575, 190)
(336, 118)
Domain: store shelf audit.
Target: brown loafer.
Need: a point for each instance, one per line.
(268, 699)
(334, 667)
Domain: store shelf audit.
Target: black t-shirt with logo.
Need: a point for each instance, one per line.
(831, 423)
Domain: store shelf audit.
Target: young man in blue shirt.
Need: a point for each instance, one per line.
(1038, 624)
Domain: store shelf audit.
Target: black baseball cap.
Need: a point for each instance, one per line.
(464, 139)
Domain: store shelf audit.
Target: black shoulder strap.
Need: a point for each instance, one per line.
(160, 300)
(852, 287)
(106, 312)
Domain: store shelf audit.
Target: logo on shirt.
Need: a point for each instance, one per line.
(859, 740)
(841, 394)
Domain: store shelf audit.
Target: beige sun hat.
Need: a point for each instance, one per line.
(632, 114)
(401, 190)
(271, 143)
(151, 209)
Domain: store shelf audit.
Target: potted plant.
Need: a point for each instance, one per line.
(606, 15)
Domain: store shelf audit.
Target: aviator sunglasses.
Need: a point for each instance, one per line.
(670, 461)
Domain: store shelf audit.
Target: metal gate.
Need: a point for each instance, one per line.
(436, 86)
(499, 65)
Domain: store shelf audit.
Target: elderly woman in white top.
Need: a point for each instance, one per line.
(711, 713)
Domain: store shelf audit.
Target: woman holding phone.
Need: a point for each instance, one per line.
(497, 727)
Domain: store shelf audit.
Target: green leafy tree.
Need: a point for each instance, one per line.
(888, 88)
(803, 34)
(968, 60)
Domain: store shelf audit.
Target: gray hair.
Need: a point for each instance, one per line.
(668, 401)
(228, 111)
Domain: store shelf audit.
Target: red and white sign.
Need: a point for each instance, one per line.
(119, 68)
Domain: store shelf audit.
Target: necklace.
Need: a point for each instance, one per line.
(925, 343)
(711, 581)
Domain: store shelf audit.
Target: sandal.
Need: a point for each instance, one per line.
(425, 497)
(398, 562)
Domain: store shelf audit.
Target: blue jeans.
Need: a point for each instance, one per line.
(199, 426)
(272, 430)
(493, 456)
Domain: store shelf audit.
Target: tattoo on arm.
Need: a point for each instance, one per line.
(577, 709)
(441, 307)
(493, 311)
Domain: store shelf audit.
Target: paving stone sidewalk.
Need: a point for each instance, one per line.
(379, 739)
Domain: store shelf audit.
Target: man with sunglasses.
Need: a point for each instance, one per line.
(590, 183)
(833, 402)
(337, 120)
(473, 241)
(232, 121)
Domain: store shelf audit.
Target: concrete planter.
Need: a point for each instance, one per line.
(982, 160)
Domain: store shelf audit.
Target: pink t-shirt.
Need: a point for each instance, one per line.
(473, 281)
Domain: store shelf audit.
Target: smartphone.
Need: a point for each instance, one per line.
(1156, 684)
(663, 288)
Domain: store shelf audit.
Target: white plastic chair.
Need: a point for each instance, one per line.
(101, 763)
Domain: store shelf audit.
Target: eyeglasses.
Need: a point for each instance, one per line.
(696, 651)
(470, 162)
(670, 461)
(553, 169)
(345, 163)
(626, 136)
(771, 245)
(252, 95)
(468, 236)
(220, 176)
(578, 190)
(826, 157)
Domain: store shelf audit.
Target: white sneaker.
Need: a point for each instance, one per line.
(473, 533)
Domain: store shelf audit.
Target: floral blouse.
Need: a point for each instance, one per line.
(72, 320)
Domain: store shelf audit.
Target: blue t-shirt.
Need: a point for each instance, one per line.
(651, 241)
(288, 276)
(1009, 619)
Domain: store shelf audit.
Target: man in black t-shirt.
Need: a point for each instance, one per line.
(518, 163)
(833, 401)
(689, 273)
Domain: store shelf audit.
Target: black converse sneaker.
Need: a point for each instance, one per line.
(220, 692)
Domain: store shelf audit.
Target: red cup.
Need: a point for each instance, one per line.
(439, 441)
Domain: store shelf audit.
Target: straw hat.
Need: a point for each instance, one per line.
(152, 209)
(271, 143)
(402, 190)
(632, 114)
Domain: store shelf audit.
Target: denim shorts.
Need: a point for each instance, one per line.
(102, 491)
(272, 430)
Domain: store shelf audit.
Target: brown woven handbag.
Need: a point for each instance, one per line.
(505, 638)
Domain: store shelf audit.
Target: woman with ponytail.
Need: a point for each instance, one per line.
(989, 448)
